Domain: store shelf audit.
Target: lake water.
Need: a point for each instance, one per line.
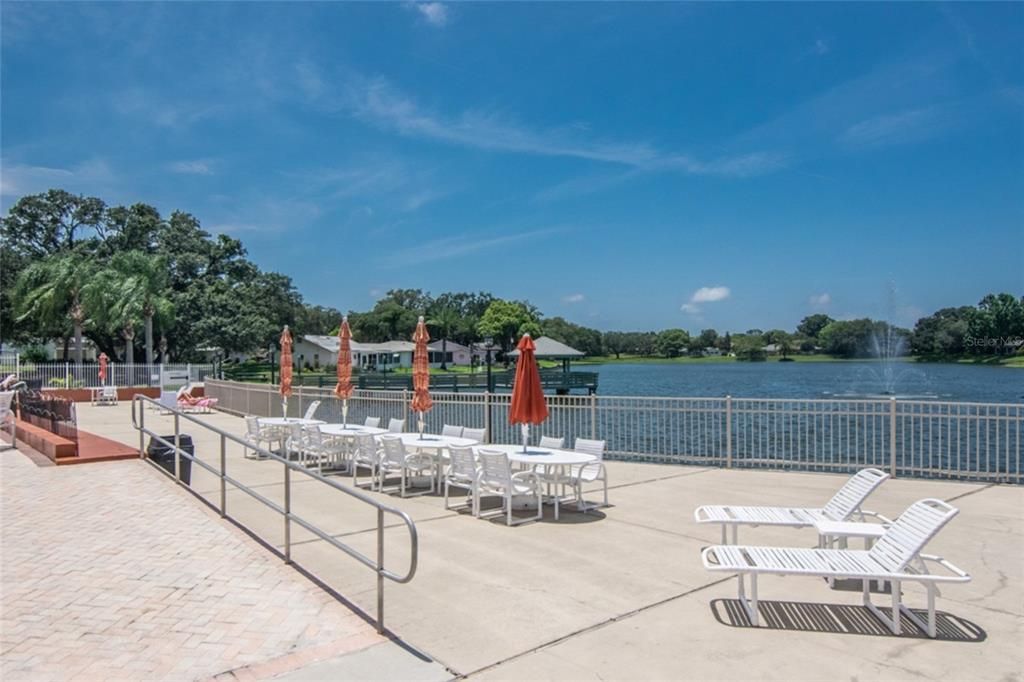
(811, 380)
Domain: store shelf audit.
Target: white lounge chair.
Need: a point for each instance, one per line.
(844, 505)
(7, 417)
(895, 558)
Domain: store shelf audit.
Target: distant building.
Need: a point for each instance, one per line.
(712, 351)
(316, 351)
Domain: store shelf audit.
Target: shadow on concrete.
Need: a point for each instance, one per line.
(842, 619)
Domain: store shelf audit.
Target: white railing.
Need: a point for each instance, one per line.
(972, 441)
(71, 375)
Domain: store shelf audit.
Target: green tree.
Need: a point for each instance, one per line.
(444, 319)
(55, 289)
(505, 321)
(707, 339)
(671, 343)
(616, 342)
(134, 288)
(812, 325)
(943, 333)
(749, 347)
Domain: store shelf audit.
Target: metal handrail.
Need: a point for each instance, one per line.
(377, 564)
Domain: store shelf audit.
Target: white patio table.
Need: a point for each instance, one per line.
(288, 421)
(548, 457)
(435, 445)
(348, 433)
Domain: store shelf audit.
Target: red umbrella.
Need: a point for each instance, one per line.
(528, 404)
(343, 389)
(286, 368)
(421, 401)
(103, 367)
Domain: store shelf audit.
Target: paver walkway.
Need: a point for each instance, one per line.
(111, 572)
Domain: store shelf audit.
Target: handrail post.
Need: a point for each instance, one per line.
(287, 513)
(142, 425)
(728, 432)
(223, 474)
(177, 448)
(380, 570)
(892, 437)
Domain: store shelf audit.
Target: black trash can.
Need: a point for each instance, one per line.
(163, 455)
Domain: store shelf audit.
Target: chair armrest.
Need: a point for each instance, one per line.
(600, 468)
(886, 521)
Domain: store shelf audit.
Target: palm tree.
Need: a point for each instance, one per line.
(133, 289)
(445, 319)
(55, 289)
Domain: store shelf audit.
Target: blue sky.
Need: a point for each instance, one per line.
(623, 165)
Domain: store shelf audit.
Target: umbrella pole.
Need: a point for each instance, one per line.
(422, 424)
(526, 436)
(344, 413)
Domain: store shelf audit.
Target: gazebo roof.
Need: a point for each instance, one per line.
(549, 348)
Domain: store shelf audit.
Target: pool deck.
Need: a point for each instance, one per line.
(621, 593)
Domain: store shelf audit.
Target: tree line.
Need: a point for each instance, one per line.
(128, 278)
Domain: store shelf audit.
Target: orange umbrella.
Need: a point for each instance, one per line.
(421, 401)
(286, 368)
(103, 367)
(528, 404)
(343, 389)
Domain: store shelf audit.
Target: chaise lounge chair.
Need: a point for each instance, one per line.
(844, 505)
(895, 558)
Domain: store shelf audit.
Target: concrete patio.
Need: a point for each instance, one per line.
(621, 593)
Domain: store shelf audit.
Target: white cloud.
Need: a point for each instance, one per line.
(710, 294)
(379, 103)
(89, 177)
(435, 13)
(820, 300)
(912, 125)
(460, 245)
(573, 298)
(704, 295)
(195, 167)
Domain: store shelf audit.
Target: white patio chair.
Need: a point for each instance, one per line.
(322, 450)
(396, 426)
(311, 410)
(367, 455)
(396, 460)
(256, 434)
(551, 442)
(845, 505)
(453, 431)
(579, 474)
(7, 416)
(462, 473)
(295, 442)
(895, 558)
(496, 478)
(479, 435)
(373, 422)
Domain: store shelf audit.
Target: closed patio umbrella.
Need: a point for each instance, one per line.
(421, 401)
(286, 368)
(103, 368)
(343, 389)
(528, 404)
